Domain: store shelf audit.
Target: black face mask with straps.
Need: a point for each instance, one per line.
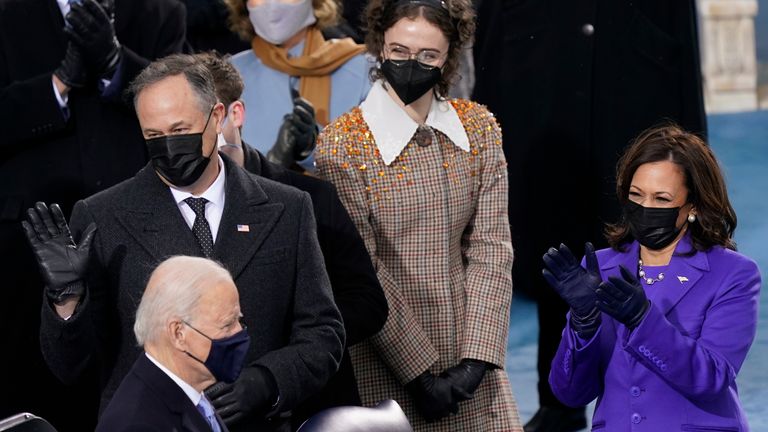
(654, 228)
(409, 79)
(179, 159)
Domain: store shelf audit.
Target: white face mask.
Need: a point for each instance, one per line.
(276, 22)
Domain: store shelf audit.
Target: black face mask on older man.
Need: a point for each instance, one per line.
(179, 158)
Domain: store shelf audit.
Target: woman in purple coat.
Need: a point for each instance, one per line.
(661, 322)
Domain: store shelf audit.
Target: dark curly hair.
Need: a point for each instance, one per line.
(456, 21)
(715, 217)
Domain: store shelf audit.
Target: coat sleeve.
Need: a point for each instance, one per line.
(356, 288)
(316, 342)
(72, 346)
(701, 368)
(403, 344)
(487, 250)
(576, 375)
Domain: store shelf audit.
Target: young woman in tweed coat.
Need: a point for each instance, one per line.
(425, 181)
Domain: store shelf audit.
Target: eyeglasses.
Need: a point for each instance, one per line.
(427, 58)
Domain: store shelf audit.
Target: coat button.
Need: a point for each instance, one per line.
(636, 418)
(635, 391)
(588, 29)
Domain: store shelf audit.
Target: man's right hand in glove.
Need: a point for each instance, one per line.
(297, 135)
(254, 392)
(575, 285)
(433, 396)
(63, 263)
(71, 72)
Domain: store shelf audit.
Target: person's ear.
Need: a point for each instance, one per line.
(177, 334)
(219, 114)
(237, 113)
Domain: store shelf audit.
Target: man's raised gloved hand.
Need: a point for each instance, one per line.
(92, 30)
(254, 392)
(63, 263)
(72, 71)
(433, 396)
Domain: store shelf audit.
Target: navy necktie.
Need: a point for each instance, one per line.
(200, 227)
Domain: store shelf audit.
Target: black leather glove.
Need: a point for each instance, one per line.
(576, 286)
(623, 298)
(465, 377)
(253, 392)
(72, 71)
(433, 396)
(297, 136)
(92, 30)
(63, 264)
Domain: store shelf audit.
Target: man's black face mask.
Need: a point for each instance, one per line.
(179, 158)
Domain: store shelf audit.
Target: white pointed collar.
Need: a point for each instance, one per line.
(392, 128)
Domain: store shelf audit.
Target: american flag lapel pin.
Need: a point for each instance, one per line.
(682, 279)
(243, 228)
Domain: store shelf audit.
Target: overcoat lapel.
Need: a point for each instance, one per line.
(248, 219)
(153, 219)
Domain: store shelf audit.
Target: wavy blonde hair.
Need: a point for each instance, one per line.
(327, 13)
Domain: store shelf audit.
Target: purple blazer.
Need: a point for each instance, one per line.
(677, 369)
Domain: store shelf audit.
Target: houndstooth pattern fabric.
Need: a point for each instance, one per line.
(200, 227)
(435, 224)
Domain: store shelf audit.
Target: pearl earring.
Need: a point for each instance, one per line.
(691, 218)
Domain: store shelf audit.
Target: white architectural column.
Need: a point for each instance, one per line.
(729, 62)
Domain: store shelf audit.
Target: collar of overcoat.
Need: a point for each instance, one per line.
(172, 396)
(153, 219)
(684, 270)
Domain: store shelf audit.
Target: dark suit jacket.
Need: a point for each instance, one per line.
(296, 330)
(44, 157)
(356, 288)
(148, 400)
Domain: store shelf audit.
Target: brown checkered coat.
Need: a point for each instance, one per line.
(435, 223)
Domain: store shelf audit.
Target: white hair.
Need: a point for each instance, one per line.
(173, 291)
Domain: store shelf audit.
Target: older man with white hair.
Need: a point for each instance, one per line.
(188, 323)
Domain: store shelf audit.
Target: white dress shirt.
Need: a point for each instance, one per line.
(215, 196)
(393, 129)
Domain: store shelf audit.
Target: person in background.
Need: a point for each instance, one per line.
(207, 28)
(571, 84)
(425, 181)
(661, 322)
(190, 201)
(189, 324)
(65, 134)
(293, 71)
(356, 290)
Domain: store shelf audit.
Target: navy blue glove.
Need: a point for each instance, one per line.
(465, 377)
(623, 298)
(576, 286)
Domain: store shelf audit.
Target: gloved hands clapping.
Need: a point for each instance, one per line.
(433, 396)
(253, 392)
(92, 30)
(297, 135)
(575, 285)
(71, 71)
(623, 298)
(63, 264)
(465, 377)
